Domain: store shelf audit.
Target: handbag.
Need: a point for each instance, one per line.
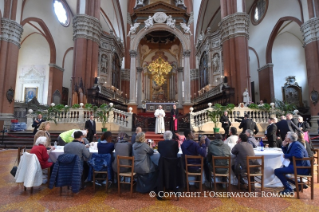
(14, 171)
(306, 136)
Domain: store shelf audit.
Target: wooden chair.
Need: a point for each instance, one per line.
(248, 174)
(21, 150)
(125, 174)
(228, 175)
(100, 178)
(192, 173)
(309, 177)
(316, 160)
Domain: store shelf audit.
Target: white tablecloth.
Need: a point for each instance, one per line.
(272, 161)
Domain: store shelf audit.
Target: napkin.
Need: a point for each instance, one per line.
(285, 161)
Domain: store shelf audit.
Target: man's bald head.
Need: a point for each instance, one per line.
(138, 130)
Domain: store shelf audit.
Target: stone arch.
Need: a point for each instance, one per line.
(184, 39)
(273, 35)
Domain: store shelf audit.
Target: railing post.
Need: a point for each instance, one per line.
(111, 116)
(129, 120)
(81, 115)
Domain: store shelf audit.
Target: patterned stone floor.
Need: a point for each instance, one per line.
(13, 198)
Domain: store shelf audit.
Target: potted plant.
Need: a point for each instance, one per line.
(217, 112)
(103, 114)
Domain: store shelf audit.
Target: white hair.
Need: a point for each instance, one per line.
(276, 120)
(84, 132)
(250, 132)
(292, 136)
(168, 135)
(301, 119)
(41, 140)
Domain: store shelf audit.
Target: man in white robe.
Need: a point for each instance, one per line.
(159, 124)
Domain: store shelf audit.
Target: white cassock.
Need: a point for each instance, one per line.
(159, 124)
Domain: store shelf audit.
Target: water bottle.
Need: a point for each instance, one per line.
(261, 145)
(258, 146)
(55, 144)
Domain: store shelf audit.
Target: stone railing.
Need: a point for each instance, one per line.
(75, 119)
(200, 121)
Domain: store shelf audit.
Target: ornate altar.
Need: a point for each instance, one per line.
(292, 92)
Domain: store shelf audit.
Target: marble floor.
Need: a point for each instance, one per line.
(14, 198)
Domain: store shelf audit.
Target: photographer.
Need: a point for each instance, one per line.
(225, 123)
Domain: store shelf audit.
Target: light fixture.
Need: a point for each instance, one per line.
(159, 68)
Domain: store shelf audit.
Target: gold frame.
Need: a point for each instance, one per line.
(25, 92)
(151, 78)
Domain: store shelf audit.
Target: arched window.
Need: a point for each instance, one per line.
(203, 71)
(61, 13)
(259, 11)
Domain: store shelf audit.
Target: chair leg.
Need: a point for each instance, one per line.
(318, 173)
(312, 187)
(262, 182)
(200, 183)
(107, 182)
(301, 184)
(132, 186)
(297, 187)
(93, 180)
(249, 182)
(118, 185)
(187, 183)
(25, 189)
(215, 184)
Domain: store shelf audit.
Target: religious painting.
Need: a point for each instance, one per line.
(30, 93)
(159, 93)
(292, 92)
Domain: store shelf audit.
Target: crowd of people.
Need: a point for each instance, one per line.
(290, 134)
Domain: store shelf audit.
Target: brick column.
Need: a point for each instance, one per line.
(310, 31)
(10, 35)
(234, 35)
(266, 83)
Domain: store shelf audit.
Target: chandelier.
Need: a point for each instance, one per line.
(159, 68)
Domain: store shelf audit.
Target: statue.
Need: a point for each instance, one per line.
(186, 28)
(133, 28)
(200, 38)
(170, 22)
(149, 22)
(104, 61)
(216, 63)
(246, 97)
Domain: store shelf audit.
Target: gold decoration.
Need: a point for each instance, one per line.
(159, 68)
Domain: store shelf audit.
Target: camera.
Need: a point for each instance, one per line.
(239, 119)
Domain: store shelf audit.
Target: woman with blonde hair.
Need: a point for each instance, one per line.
(306, 144)
(43, 132)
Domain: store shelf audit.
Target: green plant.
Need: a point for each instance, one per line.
(218, 111)
(253, 106)
(88, 106)
(282, 108)
(103, 113)
(58, 107)
(76, 106)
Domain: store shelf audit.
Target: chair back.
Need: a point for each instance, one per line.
(214, 160)
(21, 150)
(119, 165)
(187, 165)
(257, 166)
(294, 159)
(316, 155)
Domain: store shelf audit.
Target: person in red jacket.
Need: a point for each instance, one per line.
(41, 152)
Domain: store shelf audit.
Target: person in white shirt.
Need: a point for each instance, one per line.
(233, 138)
(160, 123)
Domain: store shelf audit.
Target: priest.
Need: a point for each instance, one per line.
(174, 119)
(160, 123)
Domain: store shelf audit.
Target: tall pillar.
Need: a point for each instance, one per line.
(132, 101)
(310, 31)
(87, 31)
(10, 36)
(266, 76)
(234, 34)
(187, 78)
(180, 71)
(139, 86)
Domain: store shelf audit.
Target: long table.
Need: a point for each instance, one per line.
(272, 160)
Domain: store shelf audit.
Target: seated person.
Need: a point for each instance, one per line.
(251, 138)
(218, 148)
(122, 148)
(190, 147)
(233, 138)
(66, 137)
(168, 148)
(137, 131)
(106, 146)
(291, 147)
(241, 150)
(76, 147)
(43, 131)
(143, 165)
(307, 145)
(40, 151)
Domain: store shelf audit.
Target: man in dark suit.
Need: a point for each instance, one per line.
(137, 131)
(292, 148)
(36, 123)
(174, 119)
(285, 126)
(91, 127)
(303, 125)
(168, 148)
(247, 123)
(271, 133)
(225, 123)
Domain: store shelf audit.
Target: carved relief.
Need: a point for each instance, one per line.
(11, 31)
(310, 30)
(234, 25)
(87, 27)
(174, 50)
(104, 63)
(216, 62)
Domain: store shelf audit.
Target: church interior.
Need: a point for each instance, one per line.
(71, 59)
